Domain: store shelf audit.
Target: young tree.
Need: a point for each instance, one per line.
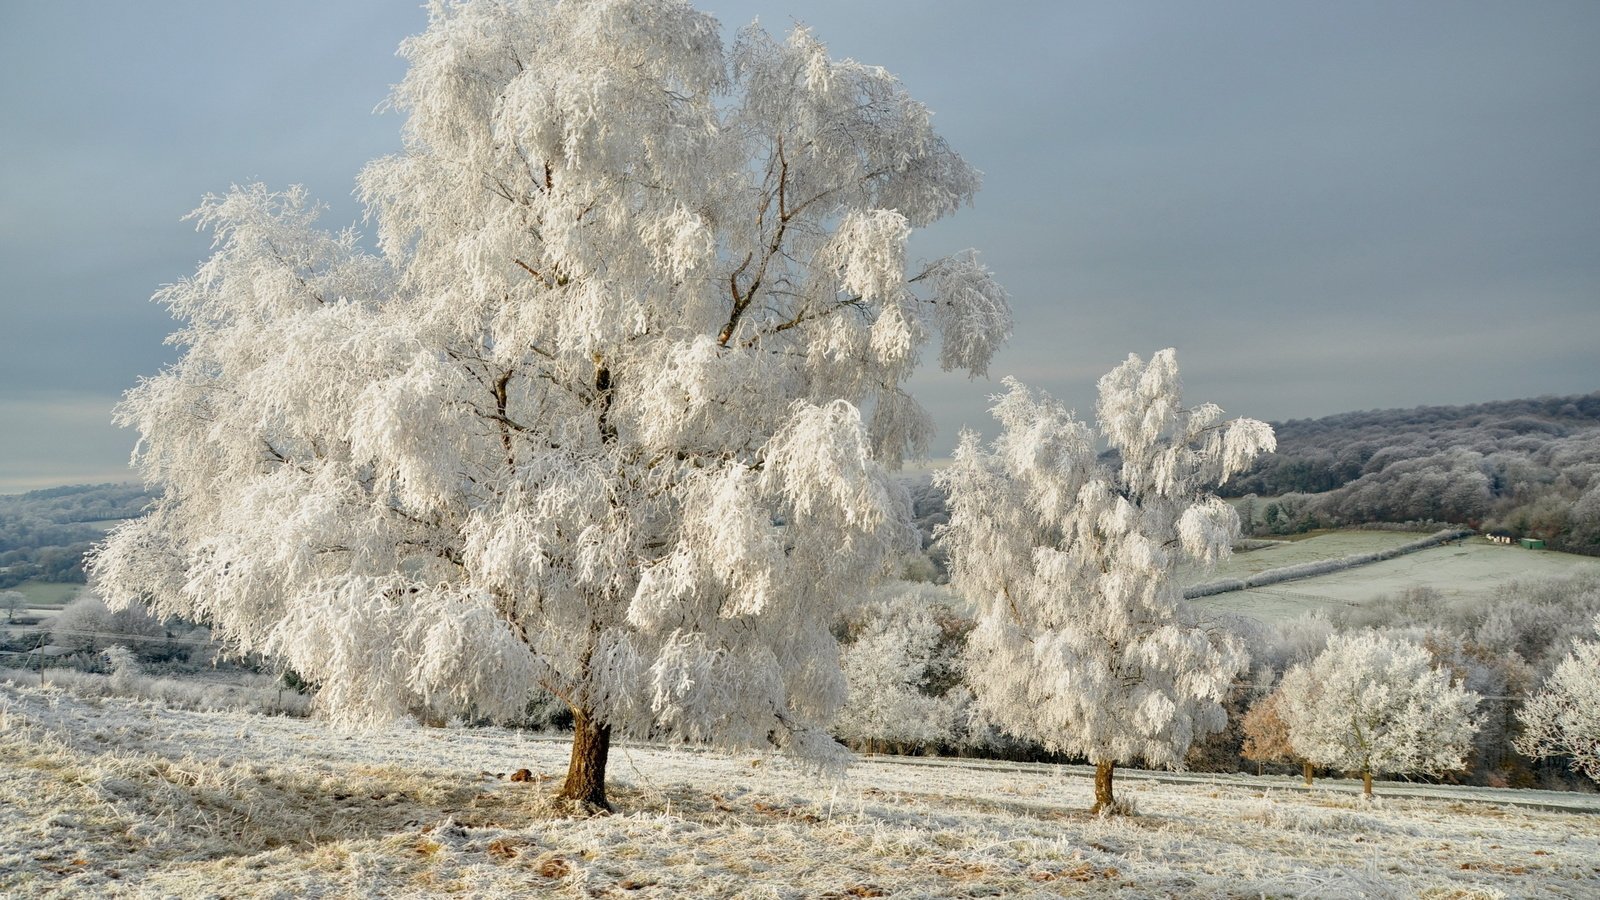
(593, 421)
(1266, 735)
(1563, 719)
(1246, 507)
(1370, 703)
(1084, 642)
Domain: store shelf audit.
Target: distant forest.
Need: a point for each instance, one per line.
(1530, 468)
(44, 534)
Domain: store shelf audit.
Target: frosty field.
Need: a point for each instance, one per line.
(121, 798)
(48, 593)
(1297, 550)
(1471, 568)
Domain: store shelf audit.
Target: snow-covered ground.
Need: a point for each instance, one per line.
(123, 798)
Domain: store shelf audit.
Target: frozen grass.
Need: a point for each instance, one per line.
(120, 798)
(242, 693)
(1471, 569)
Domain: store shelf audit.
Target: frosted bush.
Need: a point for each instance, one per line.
(1371, 703)
(124, 669)
(253, 693)
(899, 666)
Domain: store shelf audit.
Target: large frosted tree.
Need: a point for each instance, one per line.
(1371, 703)
(1084, 642)
(609, 411)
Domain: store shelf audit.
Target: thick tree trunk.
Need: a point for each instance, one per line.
(1103, 799)
(1306, 770)
(586, 773)
(1366, 782)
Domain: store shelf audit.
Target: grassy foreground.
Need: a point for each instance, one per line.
(125, 798)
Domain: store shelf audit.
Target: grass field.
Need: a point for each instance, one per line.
(1472, 568)
(48, 593)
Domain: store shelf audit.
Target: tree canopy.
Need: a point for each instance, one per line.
(608, 411)
(1371, 703)
(1563, 719)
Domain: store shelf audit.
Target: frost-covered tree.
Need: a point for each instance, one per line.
(11, 601)
(1084, 642)
(608, 411)
(899, 666)
(1563, 719)
(1371, 703)
(86, 625)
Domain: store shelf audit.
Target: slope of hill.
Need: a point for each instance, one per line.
(119, 798)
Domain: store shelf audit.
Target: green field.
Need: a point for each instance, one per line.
(1300, 549)
(1470, 569)
(48, 593)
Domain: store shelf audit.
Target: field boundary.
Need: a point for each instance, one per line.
(1321, 566)
(1553, 801)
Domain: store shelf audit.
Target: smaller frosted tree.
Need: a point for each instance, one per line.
(1563, 719)
(896, 659)
(1371, 703)
(1084, 642)
(11, 601)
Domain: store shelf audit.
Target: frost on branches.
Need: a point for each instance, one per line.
(1084, 642)
(592, 420)
(1563, 719)
(1371, 703)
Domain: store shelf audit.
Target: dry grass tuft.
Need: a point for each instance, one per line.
(555, 867)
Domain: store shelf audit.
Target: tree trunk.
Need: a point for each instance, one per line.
(1103, 800)
(1306, 770)
(586, 773)
(1366, 782)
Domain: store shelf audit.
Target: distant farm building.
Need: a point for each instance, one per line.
(1532, 544)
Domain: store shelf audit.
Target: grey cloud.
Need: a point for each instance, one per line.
(1325, 207)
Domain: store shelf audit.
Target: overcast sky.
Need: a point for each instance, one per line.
(1324, 206)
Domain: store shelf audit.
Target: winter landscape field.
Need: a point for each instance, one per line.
(121, 798)
(1469, 569)
(543, 528)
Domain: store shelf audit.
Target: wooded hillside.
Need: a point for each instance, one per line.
(44, 533)
(1529, 467)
